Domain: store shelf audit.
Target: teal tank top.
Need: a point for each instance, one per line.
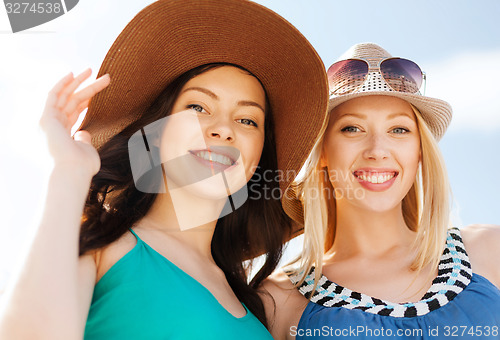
(145, 296)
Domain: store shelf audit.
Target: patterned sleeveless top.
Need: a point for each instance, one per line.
(458, 304)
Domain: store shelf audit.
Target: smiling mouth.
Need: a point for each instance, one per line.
(214, 157)
(375, 177)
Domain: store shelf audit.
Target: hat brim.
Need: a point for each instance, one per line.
(168, 38)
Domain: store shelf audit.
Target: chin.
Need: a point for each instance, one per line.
(379, 205)
(213, 188)
(207, 194)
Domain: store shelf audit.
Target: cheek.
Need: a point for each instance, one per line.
(411, 158)
(336, 154)
(254, 149)
(337, 157)
(251, 148)
(182, 131)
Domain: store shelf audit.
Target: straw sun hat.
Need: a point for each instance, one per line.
(435, 112)
(170, 37)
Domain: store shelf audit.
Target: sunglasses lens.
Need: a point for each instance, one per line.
(402, 75)
(346, 76)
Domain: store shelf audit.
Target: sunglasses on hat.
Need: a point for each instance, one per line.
(401, 75)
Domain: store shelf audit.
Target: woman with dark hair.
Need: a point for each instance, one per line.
(188, 109)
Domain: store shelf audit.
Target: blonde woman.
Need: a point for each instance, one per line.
(380, 258)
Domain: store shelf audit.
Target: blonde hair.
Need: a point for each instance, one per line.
(425, 208)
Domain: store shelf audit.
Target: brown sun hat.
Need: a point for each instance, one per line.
(170, 37)
(436, 112)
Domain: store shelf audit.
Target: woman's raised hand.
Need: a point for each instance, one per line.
(62, 109)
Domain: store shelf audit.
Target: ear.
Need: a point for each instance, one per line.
(322, 160)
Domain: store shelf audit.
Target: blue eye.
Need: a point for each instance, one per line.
(246, 121)
(400, 130)
(196, 107)
(350, 129)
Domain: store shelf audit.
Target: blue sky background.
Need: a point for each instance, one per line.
(455, 42)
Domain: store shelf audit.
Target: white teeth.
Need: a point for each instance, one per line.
(221, 159)
(376, 179)
(214, 157)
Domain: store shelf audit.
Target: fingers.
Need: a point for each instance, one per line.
(82, 107)
(61, 83)
(76, 114)
(83, 136)
(86, 94)
(93, 89)
(69, 89)
(54, 92)
(64, 105)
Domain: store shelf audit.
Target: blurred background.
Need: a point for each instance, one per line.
(456, 42)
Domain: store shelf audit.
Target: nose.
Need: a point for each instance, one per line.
(221, 129)
(376, 148)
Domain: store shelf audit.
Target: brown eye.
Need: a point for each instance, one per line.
(246, 121)
(196, 107)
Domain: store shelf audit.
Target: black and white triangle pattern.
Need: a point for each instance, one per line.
(454, 274)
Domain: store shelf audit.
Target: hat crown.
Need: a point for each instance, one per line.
(374, 81)
(364, 51)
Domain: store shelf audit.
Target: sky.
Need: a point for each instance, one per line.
(456, 42)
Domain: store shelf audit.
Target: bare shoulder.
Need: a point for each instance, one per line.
(481, 239)
(107, 256)
(282, 291)
(277, 289)
(283, 303)
(278, 282)
(482, 242)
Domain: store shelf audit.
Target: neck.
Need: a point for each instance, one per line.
(360, 232)
(187, 218)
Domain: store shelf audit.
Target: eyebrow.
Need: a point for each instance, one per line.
(357, 115)
(203, 90)
(398, 114)
(214, 96)
(251, 103)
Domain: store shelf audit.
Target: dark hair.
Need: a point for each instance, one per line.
(259, 226)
